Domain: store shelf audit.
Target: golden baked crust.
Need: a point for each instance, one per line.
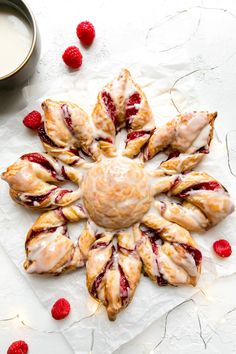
(69, 129)
(186, 215)
(32, 181)
(116, 193)
(168, 252)
(182, 163)
(113, 271)
(206, 193)
(160, 139)
(186, 140)
(122, 104)
(48, 246)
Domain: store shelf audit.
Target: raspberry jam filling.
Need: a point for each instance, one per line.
(64, 174)
(110, 106)
(176, 153)
(132, 108)
(135, 135)
(99, 245)
(124, 285)
(49, 230)
(195, 253)
(124, 250)
(160, 279)
(31, 199)
(61, 195)
(75, 152)
(67, 117)
(44, 137)
(153, 237)
(108, 140)
(204, 186)
(173, 154)
(203, 150)
(98, 279)
(41, 160)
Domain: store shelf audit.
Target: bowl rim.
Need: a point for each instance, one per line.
(29, 17)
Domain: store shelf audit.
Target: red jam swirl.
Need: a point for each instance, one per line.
(99, 277)
(173, 154)
(135, 135)
(110, 107)
(153, 237)
(44, 137)
(195, 253)
(61, 195)
(124, 286)
(31, 199)
(41, 160)
(204, 186)
(131, 110)
(49, 230)
(99, 245)
(67, 117)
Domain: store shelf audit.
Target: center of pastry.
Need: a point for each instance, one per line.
(116, 193)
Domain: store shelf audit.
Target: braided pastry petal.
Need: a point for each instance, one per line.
(187, 138)
(28, 179)
(168, 252)
(206, 193)
(177, 163)
(65, 130)
(186, 215)
(48, 246)
(162, 182)
(113, 271)
(122, 104)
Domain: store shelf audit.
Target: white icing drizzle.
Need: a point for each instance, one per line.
(165, 262)
(215, 204)
(201, 140)
(46, 250)
(188, 131)
(188, 216)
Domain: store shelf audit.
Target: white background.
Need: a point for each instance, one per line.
(206, 29)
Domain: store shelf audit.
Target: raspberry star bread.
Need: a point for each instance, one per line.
(130, 223)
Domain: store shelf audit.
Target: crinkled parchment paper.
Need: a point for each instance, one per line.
(156, 76)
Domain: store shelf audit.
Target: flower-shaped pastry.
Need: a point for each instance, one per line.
(127, 226)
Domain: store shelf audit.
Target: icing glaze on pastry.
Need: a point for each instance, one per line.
(122, 104)
(113, 271)
(204, 192)
(168, 252)
(48, 246)
(126, 228)
(186, 140)
(31, 181)
(66, 130)
(116, 193)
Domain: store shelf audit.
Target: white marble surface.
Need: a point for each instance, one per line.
(207, 30)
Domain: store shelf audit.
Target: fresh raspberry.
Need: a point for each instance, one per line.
(33, 120)
(72, 57)
(18, 347)
(85, 32)
(222, 248)
(60, 309)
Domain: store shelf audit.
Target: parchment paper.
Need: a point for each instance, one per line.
(150, 302)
